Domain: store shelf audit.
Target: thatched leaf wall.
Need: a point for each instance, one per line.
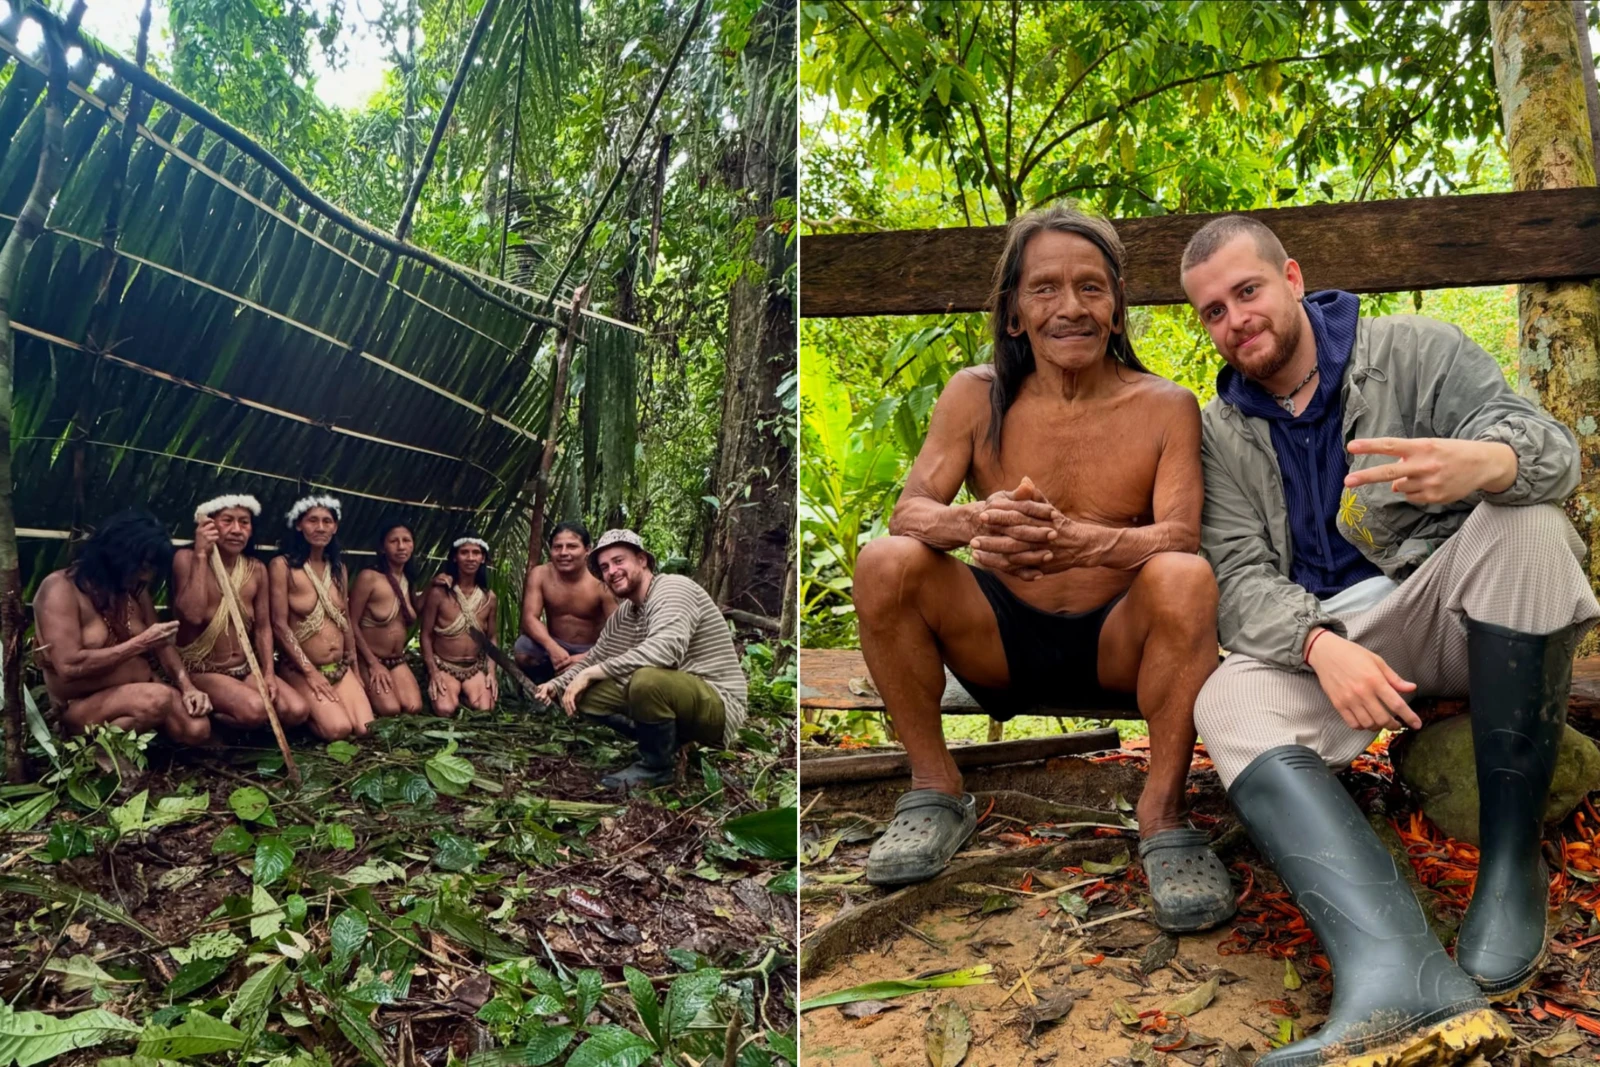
(226, 357)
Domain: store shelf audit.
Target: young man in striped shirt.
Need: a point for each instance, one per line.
(663, 671)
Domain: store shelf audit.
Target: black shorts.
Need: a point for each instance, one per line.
(1053, 658)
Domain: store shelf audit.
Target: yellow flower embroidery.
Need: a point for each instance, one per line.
(1351, 512)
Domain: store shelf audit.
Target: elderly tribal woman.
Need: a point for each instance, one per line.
(458, 670)
(316, 646)
(209, 639)
(384, 604)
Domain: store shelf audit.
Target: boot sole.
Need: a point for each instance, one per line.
(1455, 1041)
(1508, 996)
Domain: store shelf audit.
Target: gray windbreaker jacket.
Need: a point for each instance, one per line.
(1407, 376)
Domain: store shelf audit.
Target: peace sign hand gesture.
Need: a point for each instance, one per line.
(1436, 470)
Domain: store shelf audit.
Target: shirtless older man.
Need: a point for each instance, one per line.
(574, 603)
(211, 648)
(1086, 592)
(99, 642)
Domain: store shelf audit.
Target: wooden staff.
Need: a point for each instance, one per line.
(232, 608)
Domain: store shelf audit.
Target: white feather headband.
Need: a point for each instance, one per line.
(471, 541)
(222, 503)
(305, 504)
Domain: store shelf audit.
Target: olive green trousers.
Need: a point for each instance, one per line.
(653, 695)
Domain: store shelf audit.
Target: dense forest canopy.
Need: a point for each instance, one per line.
(924, 114)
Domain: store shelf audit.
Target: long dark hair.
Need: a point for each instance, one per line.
(381, 565)
(454, 571)
(1013, 356)
(296, 549)
(123, 544)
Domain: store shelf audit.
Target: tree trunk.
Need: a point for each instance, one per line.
(1591, 88)
(749, 542)
(1537, 66)
(30, 223)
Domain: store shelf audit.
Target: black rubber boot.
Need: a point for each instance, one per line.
(1397, 997)
(1518, 684)
(620, 723)
(658, 744)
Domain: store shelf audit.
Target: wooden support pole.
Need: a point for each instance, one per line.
(831, 770)
(403, 228)
(516, 135)
(552, 428)
(231, 606)
(29, 225)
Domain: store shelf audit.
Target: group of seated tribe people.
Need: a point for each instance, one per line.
(646, 654)
(1365, 514)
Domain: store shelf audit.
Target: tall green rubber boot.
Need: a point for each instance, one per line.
(1518, 684)
(1398, 999)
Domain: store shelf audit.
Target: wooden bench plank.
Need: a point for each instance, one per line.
(826, 770)
(826, 675)
(1380, 246)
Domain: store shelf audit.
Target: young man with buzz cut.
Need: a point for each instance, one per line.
(1383, 515)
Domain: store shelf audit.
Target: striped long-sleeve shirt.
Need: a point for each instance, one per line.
(679, 628)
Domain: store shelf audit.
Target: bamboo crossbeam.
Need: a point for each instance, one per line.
(256, 405)
(218, 465)
(231, 606)
(120, 115)
(94, 53)
(378, 361)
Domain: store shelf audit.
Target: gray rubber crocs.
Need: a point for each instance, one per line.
(1188, 883)
(929, 827)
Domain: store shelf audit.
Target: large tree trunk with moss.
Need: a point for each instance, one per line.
(748, 545)
(30, 223)
(1538, 67)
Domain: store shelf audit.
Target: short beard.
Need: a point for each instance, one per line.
(1282, 355)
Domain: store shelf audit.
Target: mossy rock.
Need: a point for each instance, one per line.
(1438, 765)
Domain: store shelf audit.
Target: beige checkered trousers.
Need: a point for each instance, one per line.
(1518, 567)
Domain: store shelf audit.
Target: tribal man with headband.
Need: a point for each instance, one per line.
(211, 647)
(458, 670)
(316, 645)
(384, 603)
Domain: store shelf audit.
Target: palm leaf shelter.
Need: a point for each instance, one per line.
(187, 316)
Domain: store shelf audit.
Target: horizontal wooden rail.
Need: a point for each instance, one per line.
(1442, 242)
(831, 770)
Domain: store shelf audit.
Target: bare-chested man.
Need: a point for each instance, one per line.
(1086, 592)
(458, 670)
(385, 604)
(208, 643)
(574, 605)
(311, 620)
(99, 642)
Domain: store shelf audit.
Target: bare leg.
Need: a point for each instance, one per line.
(385, 704)
(139, 706)
(452, 696)
(354, 699)
(406, 688)
(234, 703)
(1160, 642)
(475, 691)
(291, 707)
(328, 719)
(920, 609)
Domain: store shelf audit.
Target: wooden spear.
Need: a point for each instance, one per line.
(232, 608)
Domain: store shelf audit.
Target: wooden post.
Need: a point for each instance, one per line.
(29, 225)
(231, 606)
(552, 427)
(1591, 89)
(1537, 66)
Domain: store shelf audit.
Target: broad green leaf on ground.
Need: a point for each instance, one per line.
(212, 945)
(946, 1035)
(1196, 999)
(469, 930)
(251, 805)
(233, 839)
(80, 973)
(611, 1046)
(347, 933)
(450, 774)
(255, 995)
(785, 884)
(273, 860)
(588, 994)
(688, 997)
(353, 1024)
(339, 836)
(196, 974)
(901, 987)
(771, 834)
(454, 852)
(267, 916)
(538, 1048)
(1118, 863)
(198, 1035)
(342, 751)
(21, 818)
(73, 897)
(784, 1045)
(31, 1037)
(137, 816)
(645, 1002)
(374, 872)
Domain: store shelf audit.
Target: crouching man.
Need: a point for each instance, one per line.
(1084, 590)
(1382, 513)
(100, 645)
(663, 671)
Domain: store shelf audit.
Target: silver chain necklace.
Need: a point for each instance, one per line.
(1286, 402)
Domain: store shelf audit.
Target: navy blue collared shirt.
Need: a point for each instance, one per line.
(1311, 452)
